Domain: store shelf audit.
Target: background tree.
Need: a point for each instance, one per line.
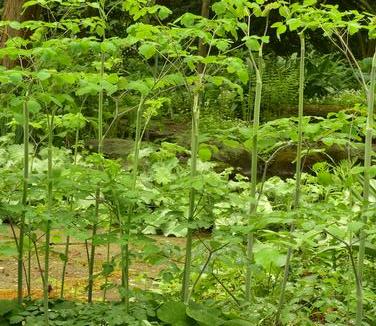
(13, 11)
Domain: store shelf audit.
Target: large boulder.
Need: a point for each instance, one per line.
(113, 147)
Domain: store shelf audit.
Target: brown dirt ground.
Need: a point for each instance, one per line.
(142, 275)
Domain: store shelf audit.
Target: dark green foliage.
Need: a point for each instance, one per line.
(147, 312)
(326, 74)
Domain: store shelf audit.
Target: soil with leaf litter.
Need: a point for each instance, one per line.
(142, 275)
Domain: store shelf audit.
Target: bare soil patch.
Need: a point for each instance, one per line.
(142, 275)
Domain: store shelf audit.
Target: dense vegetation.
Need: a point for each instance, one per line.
(243, 127)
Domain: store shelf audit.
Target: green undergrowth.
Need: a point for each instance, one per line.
(149, 309)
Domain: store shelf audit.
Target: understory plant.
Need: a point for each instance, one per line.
(277, 216)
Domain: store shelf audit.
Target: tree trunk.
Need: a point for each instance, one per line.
(202, 49)
(13, 11)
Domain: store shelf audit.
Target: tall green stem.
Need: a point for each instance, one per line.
(366, 188)
(203, 51)
(298, 169)
(254, 164)
(192, 193)
(127, 233)
(29, 262)
(66, 253)
(108, 252)
(98, 191)
(67, 241)
(24, 201)
(49, 217)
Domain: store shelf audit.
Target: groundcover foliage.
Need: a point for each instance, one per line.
(124, 123)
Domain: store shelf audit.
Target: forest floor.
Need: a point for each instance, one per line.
(142, 275)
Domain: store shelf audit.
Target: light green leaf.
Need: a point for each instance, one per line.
(173, 313)
(15, 25)
(267, 256)
(284, 11)
(33, 106)
(204, 154)
(43, 75)
(253, 44)
(94, 5)
(188, 19)
(147, 50)
(294, 24)
(203, 315)
(164, 12)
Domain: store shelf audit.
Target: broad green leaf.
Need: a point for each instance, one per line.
(67, 78)
(139, 86)
(33, 106)
(267, 256)
(107, 268)
(204, 315)
(309, 2)
(353, 27)
(243, 75)
(89, 88)
(284, 11)
(108, 87)
(355, 226)
(294, 24)
(280, 30)
(15, 25)
(15, 77)
(219, 7)
(43, 75)
(147, 50)
(173, 313)
(222, 45)
(204, 154)
(16, 319)
(164, 12)
(7, 306)
(237, 322)
(94, 5)
(188, 19)
(253, 44)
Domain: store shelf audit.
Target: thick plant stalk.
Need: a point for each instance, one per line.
(92, 248)
(98, 191)
(24, 202)
(108, 252)
(366, 188)
(125, 247)
(203, 51)
(254, 164)
(67, 241)
(29, 264)
(253, 209)
(66, 253)
(194, 153)
(202, 48)
(298, 169)
(91, 256)
(48, 223)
